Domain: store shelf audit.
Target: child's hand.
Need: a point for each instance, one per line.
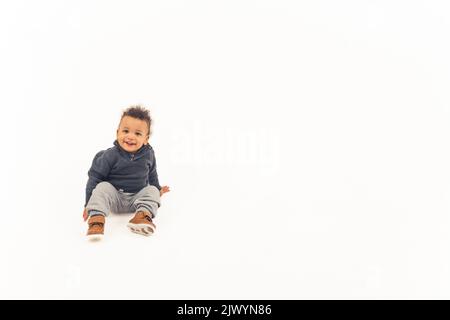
(85, 214)
(164, 189)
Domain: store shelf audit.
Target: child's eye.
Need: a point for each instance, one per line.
(125, 131)
(138, 134)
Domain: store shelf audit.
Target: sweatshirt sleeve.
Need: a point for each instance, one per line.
(98, 172)
(153, 174)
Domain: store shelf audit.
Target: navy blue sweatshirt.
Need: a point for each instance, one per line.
(129, 172)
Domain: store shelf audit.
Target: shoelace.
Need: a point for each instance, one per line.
(96, 224)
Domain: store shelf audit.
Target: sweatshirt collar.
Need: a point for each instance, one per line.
(135, 155)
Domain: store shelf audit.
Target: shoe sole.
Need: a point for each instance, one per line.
(94, 237)
(143, 229)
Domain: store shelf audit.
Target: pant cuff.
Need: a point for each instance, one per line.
(96, 213)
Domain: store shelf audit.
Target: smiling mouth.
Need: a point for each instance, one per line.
(129, 144)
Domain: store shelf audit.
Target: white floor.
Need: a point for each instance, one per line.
(211, 244)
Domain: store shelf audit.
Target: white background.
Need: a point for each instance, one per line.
(306, 145)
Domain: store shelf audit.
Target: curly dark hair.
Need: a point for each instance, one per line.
(138, 112)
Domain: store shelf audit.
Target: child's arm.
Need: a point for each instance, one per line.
(153, 174)
(153, 178)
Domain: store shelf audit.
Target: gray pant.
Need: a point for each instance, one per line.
(106, 198)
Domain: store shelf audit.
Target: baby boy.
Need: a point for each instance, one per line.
(123, 178)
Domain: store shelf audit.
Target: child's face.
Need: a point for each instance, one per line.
(132, 134)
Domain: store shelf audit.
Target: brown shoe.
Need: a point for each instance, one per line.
(96, 227)
(142, 224)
